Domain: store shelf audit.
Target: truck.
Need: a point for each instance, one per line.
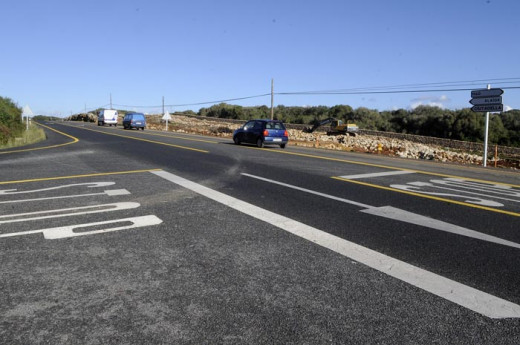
(336, 127)
(107, 116)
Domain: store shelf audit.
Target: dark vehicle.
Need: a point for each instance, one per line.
(134, 120)
(262, 132)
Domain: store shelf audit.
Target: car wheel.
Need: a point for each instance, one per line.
(142, 128)
(236, 140)
(260, 143)
(282, 146)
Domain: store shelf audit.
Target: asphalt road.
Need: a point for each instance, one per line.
(109, 236)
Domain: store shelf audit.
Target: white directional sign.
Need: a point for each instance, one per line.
(486, 93)
(486, 100)
(166, 116)
(489, 107)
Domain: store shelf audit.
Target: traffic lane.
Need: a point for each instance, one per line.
(488, 266)
(210, 273)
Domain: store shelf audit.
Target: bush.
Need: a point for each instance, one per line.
(10, 120)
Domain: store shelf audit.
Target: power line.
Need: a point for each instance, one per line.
(450, 86)
(188, 104)
(379, 92)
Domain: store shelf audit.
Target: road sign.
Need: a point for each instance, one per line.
(486, 93)
(166, 116)
(489, 107)
(486, 100)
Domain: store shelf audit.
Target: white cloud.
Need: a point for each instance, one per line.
(432, 101)
(507, 108)
(429, 104)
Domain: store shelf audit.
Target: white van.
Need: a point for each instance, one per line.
(107, 116)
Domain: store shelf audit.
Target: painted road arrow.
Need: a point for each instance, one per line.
(486, 100)
(489, 107)
(486, 93)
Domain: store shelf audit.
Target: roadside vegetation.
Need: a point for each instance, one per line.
(463, 124)
(12, 131)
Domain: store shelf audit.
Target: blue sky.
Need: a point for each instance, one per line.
(62, 56)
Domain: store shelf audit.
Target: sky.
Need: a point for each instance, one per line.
(61, 57)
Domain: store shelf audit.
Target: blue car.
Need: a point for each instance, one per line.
(262, 132)
(134, 120)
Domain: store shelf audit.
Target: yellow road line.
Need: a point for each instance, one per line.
(79, 176)
(145, 140)
(428, 196)
(74, 140)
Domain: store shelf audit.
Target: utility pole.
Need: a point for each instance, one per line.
(163, 105)
(272, 98)
(110, 100)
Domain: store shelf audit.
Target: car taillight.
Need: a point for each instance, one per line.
(266, 133)
(286, 134)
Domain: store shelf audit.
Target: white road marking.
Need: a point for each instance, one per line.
(67, 212)
(87, 184)
(459, 187)
(379, 174)
(110, 192)
(68, 231)
(416, 188)
(479, 186)
(465, 296)
(402, 215)
(414, 218)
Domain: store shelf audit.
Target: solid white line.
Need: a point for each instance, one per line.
(379, 174)
(468, 297)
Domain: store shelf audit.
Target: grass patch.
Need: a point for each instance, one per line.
(33, 135)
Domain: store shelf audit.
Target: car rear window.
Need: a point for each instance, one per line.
(274, 125)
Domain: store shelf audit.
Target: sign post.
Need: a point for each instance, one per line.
(166, 117)
(487, 100)
(27, 112)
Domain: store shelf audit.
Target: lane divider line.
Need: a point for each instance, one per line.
(465, 296)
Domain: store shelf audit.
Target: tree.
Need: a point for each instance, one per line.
(468, 125)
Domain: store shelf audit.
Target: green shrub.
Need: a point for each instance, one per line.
(10, 120)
